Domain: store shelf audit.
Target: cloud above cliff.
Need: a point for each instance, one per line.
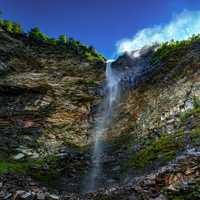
(182, 26)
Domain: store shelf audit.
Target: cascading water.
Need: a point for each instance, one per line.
(102, 124)
(116, 80)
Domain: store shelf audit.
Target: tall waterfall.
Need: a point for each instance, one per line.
(102, 124)
(118, 80)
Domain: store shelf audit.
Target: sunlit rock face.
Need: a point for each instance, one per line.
(157, 118)
(46, 95)
(153, 100)
(163, 90)
(47, 100)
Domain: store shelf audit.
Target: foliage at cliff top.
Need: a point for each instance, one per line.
(86, 52)
(166, 48)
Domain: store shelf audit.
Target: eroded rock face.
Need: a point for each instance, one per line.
(168, 90)
(48, 102)
(158, 120)
(179, 179)
(46, 96)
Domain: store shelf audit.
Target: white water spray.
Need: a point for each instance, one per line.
(102, 124)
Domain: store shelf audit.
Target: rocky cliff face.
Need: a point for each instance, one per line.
(46, 95)
(47, 107)
(158, 122)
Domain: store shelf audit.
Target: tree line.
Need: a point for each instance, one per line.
(35, 33)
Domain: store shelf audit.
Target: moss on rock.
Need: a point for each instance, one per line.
(162, 150)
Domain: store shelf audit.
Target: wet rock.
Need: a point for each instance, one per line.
(2, 194)
(161, 197)
(35, 155)
(41, 196)
(7, 196)
(19, 156)
(3, 67)
(17, 194)
(188, 104)
(26, 196)
(52, 197)
(116, 168)
(132, 197)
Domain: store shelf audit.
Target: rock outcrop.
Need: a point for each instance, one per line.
(46, 95)
(48, 101)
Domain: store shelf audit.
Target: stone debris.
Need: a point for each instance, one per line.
(182, 175)
(19, 156)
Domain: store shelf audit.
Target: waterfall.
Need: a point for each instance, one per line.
(102, 124)
(112, 86)
(118, 81)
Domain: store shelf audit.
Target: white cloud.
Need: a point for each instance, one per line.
(180, 27)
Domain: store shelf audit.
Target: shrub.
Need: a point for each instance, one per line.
(37, 34)
(10, 26)
(1, 22)
(196, 102)
(7, 25)
(16, 28)
(167, 48)
(52, 41)
(62, 39)
(70, 44)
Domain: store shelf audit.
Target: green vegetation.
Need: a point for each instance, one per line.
(88, 83)
(44, 175)
(10, 26)
(184, 115)
(23, 166)
(52, 41)
(195, 110)
(162, 150)
(91, 56)
(167, 48)
(26, 167)
(12, 166)
(165, 148)
(196, 102)
(70, 44)
(44, 169)
(126, 140)
(84, 99)
(37, 34)
(77, 148)
(62, 39)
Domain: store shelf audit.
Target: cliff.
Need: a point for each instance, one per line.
(46, 96)
(49, 97)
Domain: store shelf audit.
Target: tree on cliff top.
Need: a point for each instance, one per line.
(62, 39)
(37, 34)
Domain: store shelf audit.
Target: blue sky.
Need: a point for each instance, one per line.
(101, 23)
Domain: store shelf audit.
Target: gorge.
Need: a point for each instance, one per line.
(75, 127)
